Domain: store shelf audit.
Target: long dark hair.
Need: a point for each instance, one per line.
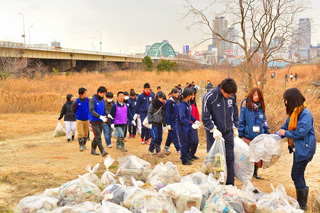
(249, 99)
(294, 99)
(160, 95)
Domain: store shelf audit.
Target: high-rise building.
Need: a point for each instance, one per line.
(220, 26)
(301, 41)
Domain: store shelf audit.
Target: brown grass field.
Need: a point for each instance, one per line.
(31, 160)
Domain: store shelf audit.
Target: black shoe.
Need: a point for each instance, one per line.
(302, 197)
(103, 152)
(84, 141)
(187, 162)
(255, 173)
(72, 137)
(80, 144)
(68, 140)
(93, 148)
(195, 158)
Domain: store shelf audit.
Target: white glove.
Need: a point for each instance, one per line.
(103, 118)
(135, 117)
(195, 126)
(150, 126)
(217, 134)
(112, 126)
(110, 116)
(198, 123)
(235, 132)
(134, 123)
(169, 127)
(164, 128)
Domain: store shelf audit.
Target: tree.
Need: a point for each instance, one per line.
(147, 63)
(166, 65)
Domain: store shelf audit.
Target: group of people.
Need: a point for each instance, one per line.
(180, 115)
(291, 77)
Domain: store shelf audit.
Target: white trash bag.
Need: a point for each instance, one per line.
(108, 177)
(131, 193)
(53, 192)
(112, 207)
(86, 206)
(115, 192)
(36, 203)
(139, 126)
(243, 168)
(59, 131)
(215, 161)
(92, 177)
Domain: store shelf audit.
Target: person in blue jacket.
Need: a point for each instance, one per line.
(132, 106)
(185, 126)
(171, 121)
(253, 120)
(299, 130)
(143, 104)
(220, 119)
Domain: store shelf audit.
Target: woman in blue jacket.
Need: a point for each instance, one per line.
(253, 121)
(299, 130)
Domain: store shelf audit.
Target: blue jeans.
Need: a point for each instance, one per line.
(297, 173)
(107, 131)
(121, 131)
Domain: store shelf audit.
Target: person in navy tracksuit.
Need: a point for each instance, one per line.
(194, 145)
(143, 104)
(220, 119)
(253, 120)
(185, 126)
(132, 106)
(299, 130)
(171, 121)
(126, 101)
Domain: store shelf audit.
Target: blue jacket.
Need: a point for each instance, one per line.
(171, 112)
(304, 136)
(250, 118)
(143, 104)
(184, 114)
(113, 112)
(99, 108)
(133, 104)
(82, 109)
(219, 111)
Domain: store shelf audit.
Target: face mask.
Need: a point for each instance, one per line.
(109, 100)
(126, 98)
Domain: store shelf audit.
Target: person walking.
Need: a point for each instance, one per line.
(69, 118)
(133, 107)
(107, 130)
(196, 115)
(98, 115)
(80, 108)
(220, 119)
(156, 120)
(299, 130)
(291, 76)
(296, 76)
(253, 120)
(209, 86)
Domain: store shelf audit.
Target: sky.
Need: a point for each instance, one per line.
(126, 26)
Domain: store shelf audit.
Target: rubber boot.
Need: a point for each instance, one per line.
(255, 174)
(122, 146)
(80, 144)
(302, 197)
(72, 137)
(93, 148)
(103, 152)
(84, 143)
(118, 144)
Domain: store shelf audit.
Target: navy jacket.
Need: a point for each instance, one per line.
(250, 118)
(143, 104)
(304, 136)
(171, 112)
(133, 104)
(219, 111)
(185, 117)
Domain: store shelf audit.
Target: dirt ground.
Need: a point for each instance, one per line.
(31, 160)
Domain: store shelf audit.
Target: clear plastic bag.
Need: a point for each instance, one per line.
(266, 148)
(193, 210)
(115, 192)
(243, 168)
(215, 161)
(131, 193)
(81, 207)
(92, 177)
(41, 203)
(108, 177)
(162, 175)
(184, 195)
(139, 126)
(59, 131)
(148, 201)
(132, 166)
(78, 191)
(54, 192)
(112, 207)
(197, 178)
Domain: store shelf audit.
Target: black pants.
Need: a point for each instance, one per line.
(97, 128)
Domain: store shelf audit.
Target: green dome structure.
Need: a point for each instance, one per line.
(163, 49)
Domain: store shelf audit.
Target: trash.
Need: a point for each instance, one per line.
(197, 178)
(215, 161)
(184, 195)
(81, 207)
(163, 175)
(266, 148)
(139, 126)
(54, 192)
(78, 191)
(131, 193)
(59, 131)
(92, 177)
(41, 203)
(147, 201)
(243, 168)
(193, 210)
(132, 166)
(115, 193)
(112, 207)
(108, 177)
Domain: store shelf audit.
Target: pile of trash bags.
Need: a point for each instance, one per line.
(138, 188)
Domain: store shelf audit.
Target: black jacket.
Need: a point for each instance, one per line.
(67, 112)
(159, 118)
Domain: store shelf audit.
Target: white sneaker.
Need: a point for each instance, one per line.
(110, 146)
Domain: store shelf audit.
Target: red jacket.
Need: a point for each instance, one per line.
(195, 112)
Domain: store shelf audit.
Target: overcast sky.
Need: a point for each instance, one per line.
(125, 25)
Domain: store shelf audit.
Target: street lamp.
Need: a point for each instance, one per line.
(100, 41)
(29, 33)
(93, 44)
(24, 31)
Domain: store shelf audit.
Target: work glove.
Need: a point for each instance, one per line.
(235, 132)
(217, 135)
(103, 118)
(134, 123)
(112, 126)
(164, 128)
(195, 126)
(150, 126)
(110, 116)
(198, 123)
(169, 127)
(135, 116)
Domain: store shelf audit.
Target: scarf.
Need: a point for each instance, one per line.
(256, 106)
(294, 120)
(147, 94)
